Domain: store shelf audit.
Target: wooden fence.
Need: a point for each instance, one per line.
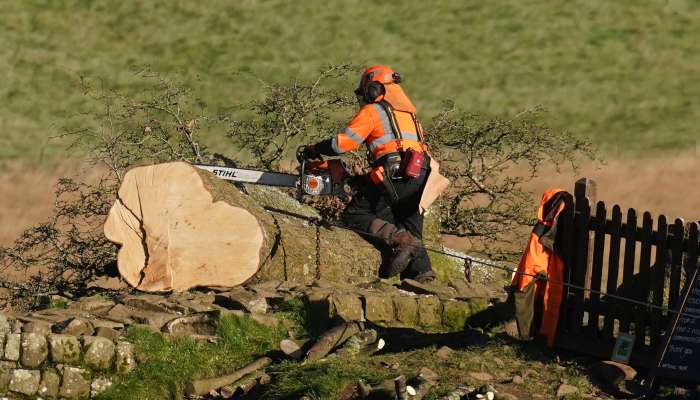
(621, 253)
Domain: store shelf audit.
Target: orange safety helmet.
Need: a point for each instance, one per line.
(371, 87)
(380, 82)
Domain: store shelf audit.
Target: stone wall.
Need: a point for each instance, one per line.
(76, 348)
(38, 362)
(416, 306)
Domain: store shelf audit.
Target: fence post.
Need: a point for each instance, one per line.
(584, 194)
(586, 187)
(589, 188)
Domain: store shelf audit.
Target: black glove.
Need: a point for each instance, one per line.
(309, 152)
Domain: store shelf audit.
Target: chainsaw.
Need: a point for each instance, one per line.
(316, 178)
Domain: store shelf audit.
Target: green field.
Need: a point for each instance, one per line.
(623, 73)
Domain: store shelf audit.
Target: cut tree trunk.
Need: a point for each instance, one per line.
(181, 227)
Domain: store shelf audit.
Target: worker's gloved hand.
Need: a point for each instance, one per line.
(309, 152)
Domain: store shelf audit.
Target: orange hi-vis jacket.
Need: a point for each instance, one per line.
(540, 257)
(372, 125)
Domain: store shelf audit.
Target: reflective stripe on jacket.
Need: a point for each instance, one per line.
(372, 126)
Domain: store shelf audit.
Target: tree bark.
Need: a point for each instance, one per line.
(181, 227)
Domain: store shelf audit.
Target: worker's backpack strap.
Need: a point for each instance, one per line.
(392, 121)
(419, 130)
(389, 110)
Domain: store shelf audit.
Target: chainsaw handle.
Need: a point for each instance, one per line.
(300, 187)
(300, 154)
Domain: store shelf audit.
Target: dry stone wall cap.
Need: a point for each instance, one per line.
(379, 308)
(348, 307)
(78, 327)
(38, 327)
(429, 310)
(108, 333)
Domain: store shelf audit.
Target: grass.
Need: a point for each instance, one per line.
(170, 363)
(167, 364)
(319, 380)
(500, 358)
(621, 73)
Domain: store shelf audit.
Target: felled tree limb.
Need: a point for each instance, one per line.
(203, 386)
(423, 383)
(390, 389)
(294, 349)
(385, 390)
(457, 393)
(400, 387)
(245, 385)
(364, 343)
(333, 338)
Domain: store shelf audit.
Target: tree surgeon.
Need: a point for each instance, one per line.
(387, 202)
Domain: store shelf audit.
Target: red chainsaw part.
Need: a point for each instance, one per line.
(336, 168)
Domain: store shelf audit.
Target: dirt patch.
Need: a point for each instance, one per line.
(666, 186)
(28, 194)
(27, 198)
(660, 186)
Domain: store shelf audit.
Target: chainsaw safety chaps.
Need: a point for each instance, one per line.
(372, 202)
(524, 302)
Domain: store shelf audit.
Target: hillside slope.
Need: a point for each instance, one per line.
(621, 73)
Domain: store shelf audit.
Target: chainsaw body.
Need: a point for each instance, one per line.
(325, 177)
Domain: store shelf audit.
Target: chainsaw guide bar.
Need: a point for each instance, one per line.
(252, 176)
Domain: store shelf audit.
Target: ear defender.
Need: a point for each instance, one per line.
(374, 91)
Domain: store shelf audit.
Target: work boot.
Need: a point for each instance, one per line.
(425, 277)
(405, 246)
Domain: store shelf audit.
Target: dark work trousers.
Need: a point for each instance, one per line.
(372, 201)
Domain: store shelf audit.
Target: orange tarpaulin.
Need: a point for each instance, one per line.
(540, 257)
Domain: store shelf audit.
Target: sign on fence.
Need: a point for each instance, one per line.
(680, 356)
